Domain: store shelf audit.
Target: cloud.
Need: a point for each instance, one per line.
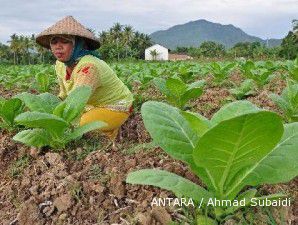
(256, 17)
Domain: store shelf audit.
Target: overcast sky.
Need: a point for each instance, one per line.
(262, 18)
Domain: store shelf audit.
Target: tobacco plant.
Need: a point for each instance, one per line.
(220, 72)
(9, 109)
(288, 102)
(241, 146)
(292, 68)
(260, 75)
(177, 92)
(52, 121)
(245, 89)
(43, 82)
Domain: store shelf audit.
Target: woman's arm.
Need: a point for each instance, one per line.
(87, 75)
(62, 91)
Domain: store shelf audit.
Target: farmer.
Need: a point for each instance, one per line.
(77, 64)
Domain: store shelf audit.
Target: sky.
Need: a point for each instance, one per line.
(262, 18)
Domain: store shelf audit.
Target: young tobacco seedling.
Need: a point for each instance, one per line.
(51, 121)
(43, 82)
(9, 109)
(177, 92)
(260, 75)
(240, 146)
(245, 89)
(292, 67)
(220, 72)
(288, 102)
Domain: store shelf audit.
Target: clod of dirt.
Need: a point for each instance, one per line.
(161, 215)
(144, 218)
(63, 203)
(117, 187)
(29, 214)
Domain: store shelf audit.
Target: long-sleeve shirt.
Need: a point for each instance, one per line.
(107, 89)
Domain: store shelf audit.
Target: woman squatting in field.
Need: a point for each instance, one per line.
(77, 64)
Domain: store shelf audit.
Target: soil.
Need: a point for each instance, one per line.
(85, 183)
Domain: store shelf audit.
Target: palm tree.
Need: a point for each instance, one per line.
(127, 37)
(116, 32)
(103, 37)
(295, 26)
(154, 54)
(14, 46)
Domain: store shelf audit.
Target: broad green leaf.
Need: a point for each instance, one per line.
(79, 131)
(74, 104)
(191, 94)
(235, 145)
(246, 197)
(172, 132)
(279, 166)
(49, 122)
(43, 82)
(233, 109)
(35, 137)
(169, 181)
(280, 102)
(197, 84)
(169, 129)
(50, 100)
(197, 122)
(160, 83)
(10, 109)
(204, 220)
(45, 102)
(176, 86)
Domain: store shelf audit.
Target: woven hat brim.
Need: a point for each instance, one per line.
(44, 41)
(68, 26)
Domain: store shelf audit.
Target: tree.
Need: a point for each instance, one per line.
(289, 46)
(212, 49)
(154, 54)
(295, 26)
(127, 37)
(122, 41)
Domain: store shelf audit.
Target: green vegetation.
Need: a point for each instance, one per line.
(51, 120)
(288, 102)
(221, 72)
(240, 146)
(257, 139)
(177, 92)
(245, 89)
(9, 109)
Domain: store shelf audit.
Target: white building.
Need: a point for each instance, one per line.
(156, 52)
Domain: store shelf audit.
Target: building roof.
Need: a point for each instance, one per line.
(156, 45)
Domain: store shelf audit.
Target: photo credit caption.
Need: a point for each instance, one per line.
(187, 202)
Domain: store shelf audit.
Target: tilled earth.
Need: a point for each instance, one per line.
(85, 184)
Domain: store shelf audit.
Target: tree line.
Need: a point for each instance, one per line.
(119, 42)
(123, 42)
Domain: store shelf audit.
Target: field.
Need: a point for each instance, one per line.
(84, 181)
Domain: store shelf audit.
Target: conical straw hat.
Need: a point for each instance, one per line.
(68, 26)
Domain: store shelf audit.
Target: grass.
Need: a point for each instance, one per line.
(18, 166)
(96, 173)
(135, 148)
(80, 149)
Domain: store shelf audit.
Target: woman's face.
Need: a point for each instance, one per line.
(61, 48)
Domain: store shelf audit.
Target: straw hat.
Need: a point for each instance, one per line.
(68, 26)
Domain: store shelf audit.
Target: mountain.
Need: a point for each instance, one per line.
(195, 32)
